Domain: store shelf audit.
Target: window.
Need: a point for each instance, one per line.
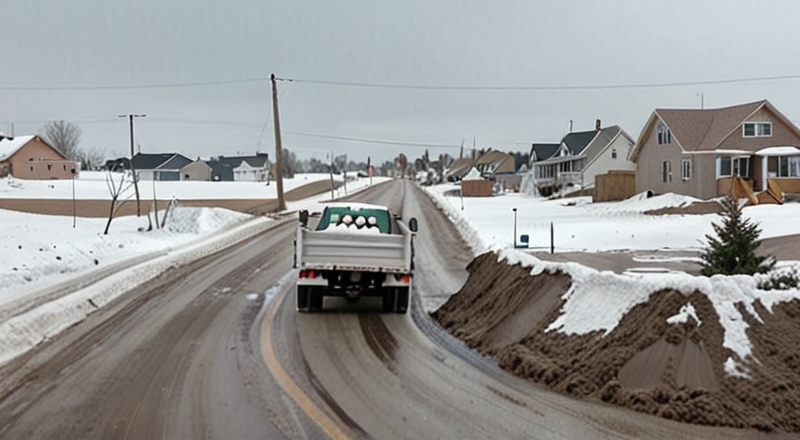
(49, 167)
(686, 169)
(65, 167)
(666, 171)
(788, 166)
(757, 129)
(664, 135)
(613, 153)
(728, 166)
(31, 169)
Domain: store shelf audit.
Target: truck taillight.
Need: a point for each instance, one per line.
(308, 274)
(403, 278)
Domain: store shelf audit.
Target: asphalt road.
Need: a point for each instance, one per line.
(191, 355)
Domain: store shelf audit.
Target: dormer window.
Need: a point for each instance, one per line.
(664, 135)
(757, 129)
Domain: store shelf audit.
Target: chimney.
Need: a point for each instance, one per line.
(597, 124)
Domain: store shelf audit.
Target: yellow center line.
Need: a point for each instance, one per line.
(285, 381)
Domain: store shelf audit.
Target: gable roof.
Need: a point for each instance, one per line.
(459, 167)
(543, 151)
(494, 157)
(578, 141)
(175, 162)
(9, 146)
(259, 160)
(705, 129)
(146, 161)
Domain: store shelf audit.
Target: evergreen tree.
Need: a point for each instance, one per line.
(733, 250)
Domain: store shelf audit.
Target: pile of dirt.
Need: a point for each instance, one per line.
(674, 369)
(697, 208)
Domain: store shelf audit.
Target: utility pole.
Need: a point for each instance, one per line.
(133, 168)
(278, 146)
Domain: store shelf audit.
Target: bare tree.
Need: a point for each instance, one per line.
(64, 136)
(116, 189)
(90, 159)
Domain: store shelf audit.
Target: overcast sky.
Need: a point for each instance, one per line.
(84, 60)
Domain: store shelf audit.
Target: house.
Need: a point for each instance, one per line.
(160, 166)
(241, 168)
(198, 170)
(700, 152)
(459, 168)
(31, 157)
(579, 157)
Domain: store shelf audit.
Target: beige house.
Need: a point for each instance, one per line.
(30, 157)
(198, 170)
(699, 153)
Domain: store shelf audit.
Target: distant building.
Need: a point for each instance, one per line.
(30, 157)
(578, 158)
(160, 166)
(240, 168)
(198, 170)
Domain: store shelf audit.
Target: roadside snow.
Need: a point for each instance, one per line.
(684, 314)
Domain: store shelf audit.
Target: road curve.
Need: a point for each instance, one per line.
(399, 376)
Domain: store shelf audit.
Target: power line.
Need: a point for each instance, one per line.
(373, 141)
(539, 88)
(139, 86)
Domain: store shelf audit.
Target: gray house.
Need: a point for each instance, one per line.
(241, 168)
(578, 158)
(160, 166)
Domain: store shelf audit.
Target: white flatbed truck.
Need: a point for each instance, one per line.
(355, 250)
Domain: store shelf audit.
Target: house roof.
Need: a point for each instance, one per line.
(9, 146)
(494, 157)
(460, 166)
(578, 141)
(705, 129)
(543, 151)
(260, 160)
(160, 161)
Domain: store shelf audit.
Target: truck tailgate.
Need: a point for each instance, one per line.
(330, 250)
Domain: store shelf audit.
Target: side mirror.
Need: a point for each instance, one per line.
(303, 217)
(412, 224)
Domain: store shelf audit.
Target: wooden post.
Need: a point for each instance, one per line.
(552, 245)
(278, 146)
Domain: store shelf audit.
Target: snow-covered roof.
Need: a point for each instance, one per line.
(473, 174)
(9, 146)
(779, 151)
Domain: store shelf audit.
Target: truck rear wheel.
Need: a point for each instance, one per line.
(302, 297)
(389, 297)
(402, 300)
(314, 299)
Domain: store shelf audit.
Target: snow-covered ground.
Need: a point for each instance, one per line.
(92, 185)
(584, 226)
(579, 225)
